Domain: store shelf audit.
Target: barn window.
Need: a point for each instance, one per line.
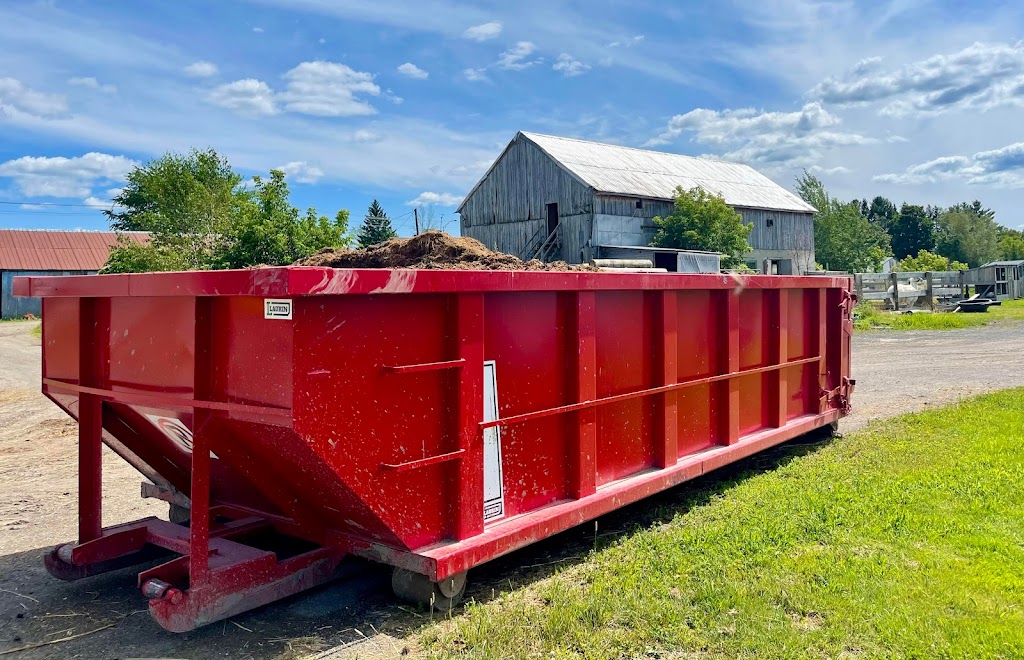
(639, 203)
(770, 222)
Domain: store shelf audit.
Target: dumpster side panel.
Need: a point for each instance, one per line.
(359, 413)
(625, 431)
(699, 348)
(60, 347)
(525, 334)
(251, 355)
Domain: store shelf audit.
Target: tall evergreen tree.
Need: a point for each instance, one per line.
(911, 231)
(881, 212)
(376, 227)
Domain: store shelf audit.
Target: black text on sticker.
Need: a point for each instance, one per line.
(274, 308)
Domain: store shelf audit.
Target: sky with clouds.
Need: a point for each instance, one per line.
(409, 101)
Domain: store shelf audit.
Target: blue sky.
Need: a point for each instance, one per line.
(409, 101)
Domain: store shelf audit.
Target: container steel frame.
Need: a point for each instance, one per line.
(216, 574)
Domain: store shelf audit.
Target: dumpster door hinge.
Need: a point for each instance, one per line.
(840, 396)
(849, 302)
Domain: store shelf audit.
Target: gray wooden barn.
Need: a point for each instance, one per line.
(560, 198)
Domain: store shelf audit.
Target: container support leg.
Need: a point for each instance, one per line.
(90, 468)
(94, 330)
(199, 527)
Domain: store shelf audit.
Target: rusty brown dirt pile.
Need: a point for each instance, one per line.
(432, 250)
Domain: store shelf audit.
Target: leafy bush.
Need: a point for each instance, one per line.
(702, 221)
(926, 261)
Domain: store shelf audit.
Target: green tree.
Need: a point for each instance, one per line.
(272, 232)
(376, 227)
(926, 261)
(843, 238)
(131, 257)
(1011, 244)
(911, 231)
(200, 216)
(186, 202)
(882, 212)
(969, 234)
(703, 221)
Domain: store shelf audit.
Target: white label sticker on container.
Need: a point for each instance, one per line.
(276, 308)
(494, 492)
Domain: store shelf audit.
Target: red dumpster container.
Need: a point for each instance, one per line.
(430, 420)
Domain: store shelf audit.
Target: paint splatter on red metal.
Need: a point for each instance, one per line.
(431, 420)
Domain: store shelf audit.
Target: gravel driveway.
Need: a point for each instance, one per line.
(895, 372)
(899, 372)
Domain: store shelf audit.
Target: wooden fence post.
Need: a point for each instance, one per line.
(894, 278)
(858, 279)
(928, 277)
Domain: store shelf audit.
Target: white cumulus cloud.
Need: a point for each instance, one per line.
(328, 89)
(516, 58)
(301, 172)
(475, 75)
(746, 135)
(92, 83)
(18, 98)
(979, 77)
(323, 89)
(412, 71)
(999, 168)
(433, 198)
(97, 203)
(201, 69)
(249, 97)
(41, 176)
(483, 32)
(570, 66)
(366, 136)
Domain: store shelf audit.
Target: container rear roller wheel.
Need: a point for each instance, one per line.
(418, 588)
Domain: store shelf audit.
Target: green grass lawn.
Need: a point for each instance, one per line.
(868, 317)
(902, 540)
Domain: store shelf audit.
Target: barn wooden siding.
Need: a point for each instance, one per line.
(779, 230)
(521, 182)
(618, 205)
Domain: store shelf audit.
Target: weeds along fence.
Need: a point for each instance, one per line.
(902, 291)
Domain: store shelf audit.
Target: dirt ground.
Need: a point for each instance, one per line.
(895, 372)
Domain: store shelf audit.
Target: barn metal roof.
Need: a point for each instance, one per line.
(611, 169)
(45, 249)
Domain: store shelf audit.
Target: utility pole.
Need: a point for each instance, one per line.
(416, 217)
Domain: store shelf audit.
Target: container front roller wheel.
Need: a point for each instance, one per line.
(417, 588)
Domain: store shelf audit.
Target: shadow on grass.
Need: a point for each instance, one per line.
(546, 557)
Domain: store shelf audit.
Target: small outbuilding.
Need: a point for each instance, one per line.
(999, 280)
(50, 252)
(560, 198)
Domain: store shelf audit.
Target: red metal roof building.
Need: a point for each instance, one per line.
(50, 252)
(45, 250)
